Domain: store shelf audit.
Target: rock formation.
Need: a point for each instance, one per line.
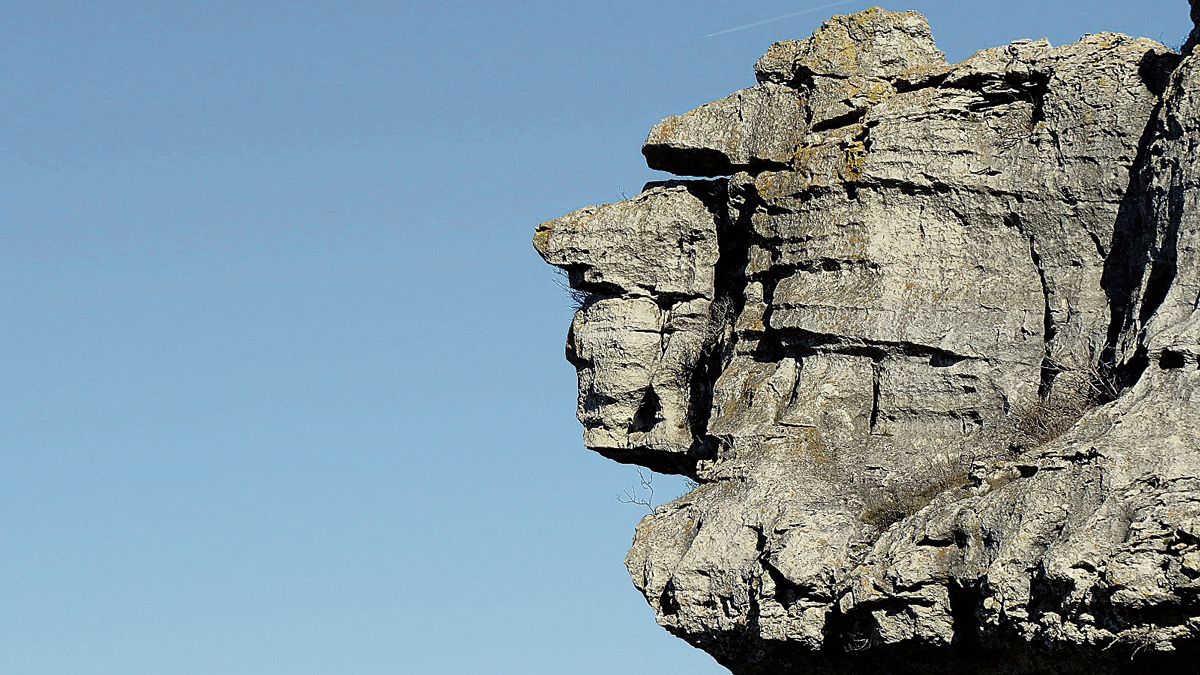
(928, 337)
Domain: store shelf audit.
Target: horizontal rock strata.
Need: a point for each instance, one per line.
(927, 337)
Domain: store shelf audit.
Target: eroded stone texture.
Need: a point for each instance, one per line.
(759, 126)
(648, 268)
(912, 268)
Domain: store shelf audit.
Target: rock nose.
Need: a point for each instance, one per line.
(541, 240)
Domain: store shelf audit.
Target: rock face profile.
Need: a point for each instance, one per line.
(927, 336)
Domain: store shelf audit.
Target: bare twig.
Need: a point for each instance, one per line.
(643, 495)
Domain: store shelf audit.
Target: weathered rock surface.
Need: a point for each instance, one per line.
(930, 344)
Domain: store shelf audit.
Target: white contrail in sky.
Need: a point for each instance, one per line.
(810, 10)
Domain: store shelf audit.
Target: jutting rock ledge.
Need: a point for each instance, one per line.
(928, 338)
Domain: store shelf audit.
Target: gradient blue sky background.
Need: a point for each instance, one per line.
(281, 378)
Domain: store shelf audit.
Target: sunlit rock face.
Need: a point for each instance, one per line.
(927, 338)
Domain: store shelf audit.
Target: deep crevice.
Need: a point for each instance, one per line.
(1163, 266)
(841, 121)
(649, 413)
(666, 602)
(1049, 370)
(804, 342)
(1172, 360)
(966, 601)
(687, 161)
(1136, 275)
(875, 396)
(729, 283)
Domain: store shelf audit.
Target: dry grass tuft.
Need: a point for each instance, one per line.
(885, 505)
(1023, 429)
(1034, 425)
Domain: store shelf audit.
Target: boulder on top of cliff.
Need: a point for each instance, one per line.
(849, 64)
(874, 44)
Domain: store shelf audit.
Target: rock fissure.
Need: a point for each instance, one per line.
(1050, 369)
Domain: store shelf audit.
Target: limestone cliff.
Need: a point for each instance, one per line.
(928, 338)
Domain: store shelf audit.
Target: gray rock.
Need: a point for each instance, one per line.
(647, 267)
(760, 126)
(931, 350)
(874, 43)
(853, 62)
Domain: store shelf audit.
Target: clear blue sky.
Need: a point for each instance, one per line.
(281, 378)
